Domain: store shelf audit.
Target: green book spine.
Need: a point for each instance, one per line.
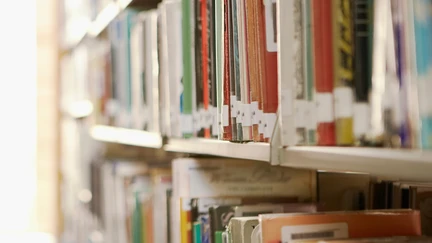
(197, 232)
(218, 236)
(310, 68)
(187, 99)
(137, 224)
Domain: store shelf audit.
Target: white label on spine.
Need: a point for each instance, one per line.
(233, 103)
(202, 118)
(270, 121)
(361, 119)
(286, 102)
(314, 232)
(311, 115)
(343, 102)
(324, 106)
(300, 113)
(225, 115)
(215, 121)
(239, 112)
(254, 111)
(247, 116)
(196, 121)
(186, 123)
(261, 121)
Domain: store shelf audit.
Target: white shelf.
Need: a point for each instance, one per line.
(126, 136)
(387, 163)
(250, 151)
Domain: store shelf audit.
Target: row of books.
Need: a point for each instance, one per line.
(218, 200)
(353, 72)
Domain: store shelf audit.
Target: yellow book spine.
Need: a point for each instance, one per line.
(343, 52)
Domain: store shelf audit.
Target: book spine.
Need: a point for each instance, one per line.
(219, 74)
(205, 64)
(323, 72)
(245, 95)
(399, 40)
(188, 78)
(236, 69)
(230, 66)
(226, 113)
(253, 66)
(309, 75)
(423, 38)
(362, 11)
(343, 71)
(268, 61)
(301, 101)
(211, 32)
(287, 80)
(376, 132)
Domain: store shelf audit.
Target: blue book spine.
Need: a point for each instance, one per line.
(423, 40)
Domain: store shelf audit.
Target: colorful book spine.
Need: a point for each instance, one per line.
(343, 71)
(322, 20)
(423, 38)
(231, 70)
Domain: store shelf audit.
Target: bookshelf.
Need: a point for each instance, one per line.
(388, 163)
(126, 136)
(249, 151)
(397, 164)
(142, 67)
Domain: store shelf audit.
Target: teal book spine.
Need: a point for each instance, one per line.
(197, 232)
(423, 40)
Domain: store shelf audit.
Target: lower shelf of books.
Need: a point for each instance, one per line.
(237, 201)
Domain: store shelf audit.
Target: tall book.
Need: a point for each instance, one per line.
(236, 112)
(423, 36)
(188, 99)
(363, 35)
(200, 64)
(139, 106)
(323, 49)
(246, 113)
(292, 100)
(309, 74)
(151, 68)
(267, 47)
(226, 112)
(343, 67)
(219, 74)
(173, 18)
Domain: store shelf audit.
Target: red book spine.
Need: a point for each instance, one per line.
(269, 71)
(323, 49)
(227, 133)
(205, 58)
